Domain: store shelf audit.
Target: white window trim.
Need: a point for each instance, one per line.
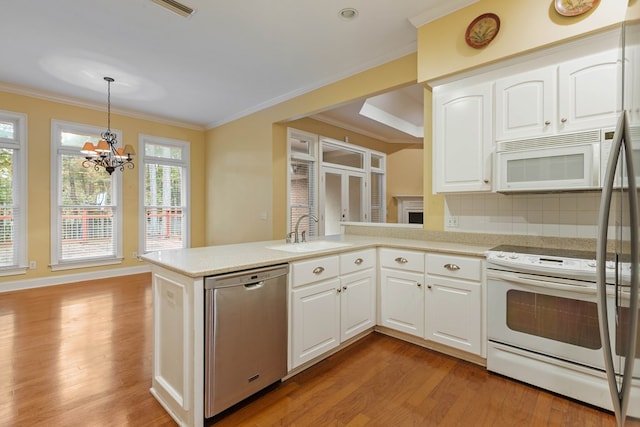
(20, 185)
(314, 157)
(186, 184)
(57, 126)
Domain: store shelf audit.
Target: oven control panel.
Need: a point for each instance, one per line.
(576, 268)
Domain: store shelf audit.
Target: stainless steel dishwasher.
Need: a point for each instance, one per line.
(245, 334)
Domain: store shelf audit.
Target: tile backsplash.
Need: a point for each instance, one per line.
(554, 214)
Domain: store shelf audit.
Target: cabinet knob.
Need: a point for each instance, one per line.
(358, 261)
(547, 122)
(419, 285)
(318, 270)
(344, 288)
(486, 181)
(338, 290)
(563, 120)
(429, 286)
(452, 267)
(401, 260)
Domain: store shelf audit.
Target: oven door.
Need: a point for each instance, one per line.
(550, 316)
(620, 328)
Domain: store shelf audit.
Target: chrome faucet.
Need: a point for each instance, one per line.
(295, 233)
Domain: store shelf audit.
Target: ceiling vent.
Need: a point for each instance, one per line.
(176, 7)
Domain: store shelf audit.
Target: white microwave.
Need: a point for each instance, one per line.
(564, 162)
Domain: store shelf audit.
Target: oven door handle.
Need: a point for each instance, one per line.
(542, 282)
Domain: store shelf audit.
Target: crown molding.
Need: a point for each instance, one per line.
(441, 9)
(53, 97)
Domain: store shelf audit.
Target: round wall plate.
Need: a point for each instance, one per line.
(482, 30)
(574, 7)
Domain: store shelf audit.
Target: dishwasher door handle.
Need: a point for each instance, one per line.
(250, 286)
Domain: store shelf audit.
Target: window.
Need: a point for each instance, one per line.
(13, 193)
(164, 175)
(86, 204)
(377, 187)
(302, 180)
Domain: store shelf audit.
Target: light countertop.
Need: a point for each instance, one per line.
(210, 260)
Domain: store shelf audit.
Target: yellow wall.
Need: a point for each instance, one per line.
(246, 159)
(39, 115)
(525, 25)
(404, 161)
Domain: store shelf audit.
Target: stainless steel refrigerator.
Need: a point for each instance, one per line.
(618, 237)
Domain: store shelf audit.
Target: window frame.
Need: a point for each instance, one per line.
(19, 190)
(313, 156)
(185, 163)
(57, 127)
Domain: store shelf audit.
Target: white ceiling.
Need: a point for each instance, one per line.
(229, 59)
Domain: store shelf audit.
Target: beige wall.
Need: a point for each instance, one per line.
(404, 161)
(525, 25)
(39, 115)
(246, 159)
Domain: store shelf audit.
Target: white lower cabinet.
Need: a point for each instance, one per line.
(357, 303)
(453, 302)
(328, 307)
(315, 325)
(401, 290)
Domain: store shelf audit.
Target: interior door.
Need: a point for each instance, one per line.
(342, 199)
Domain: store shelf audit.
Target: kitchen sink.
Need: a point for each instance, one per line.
(316, 245)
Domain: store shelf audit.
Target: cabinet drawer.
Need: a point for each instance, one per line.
(357, 261)
(313, 270)
(454, 266)
(402, 259)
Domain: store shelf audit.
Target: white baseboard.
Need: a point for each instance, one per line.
(40, 282)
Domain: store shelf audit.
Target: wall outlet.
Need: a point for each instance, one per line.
(134, 255)
(452, 221)
(32, 265)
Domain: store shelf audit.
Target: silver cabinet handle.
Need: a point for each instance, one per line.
(452, 267)
(318, 270)
(401, 260)
(486, 181)
(563, 120)
(358, 261)
(547, 122)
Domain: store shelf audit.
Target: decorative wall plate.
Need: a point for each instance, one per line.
(482, 30)
(574, 7)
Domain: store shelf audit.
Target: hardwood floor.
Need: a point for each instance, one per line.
(80, 355)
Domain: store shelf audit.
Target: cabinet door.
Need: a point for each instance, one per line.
(453, 313)
(315, 320)
(402, 301)
(589, 91)
(357, 303)
(462, 134)
(525, 104)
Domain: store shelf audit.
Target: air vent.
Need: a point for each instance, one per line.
(174, 6)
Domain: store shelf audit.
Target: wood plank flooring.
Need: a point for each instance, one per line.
(80, 355)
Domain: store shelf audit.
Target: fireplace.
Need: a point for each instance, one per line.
(410, 209)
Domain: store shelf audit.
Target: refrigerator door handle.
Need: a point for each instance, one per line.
(619, 395)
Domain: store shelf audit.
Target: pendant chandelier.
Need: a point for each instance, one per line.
(106, 154)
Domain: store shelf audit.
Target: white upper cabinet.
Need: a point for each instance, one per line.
(575, 95)
(525, 104)
(589, 91)
(462, 133)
